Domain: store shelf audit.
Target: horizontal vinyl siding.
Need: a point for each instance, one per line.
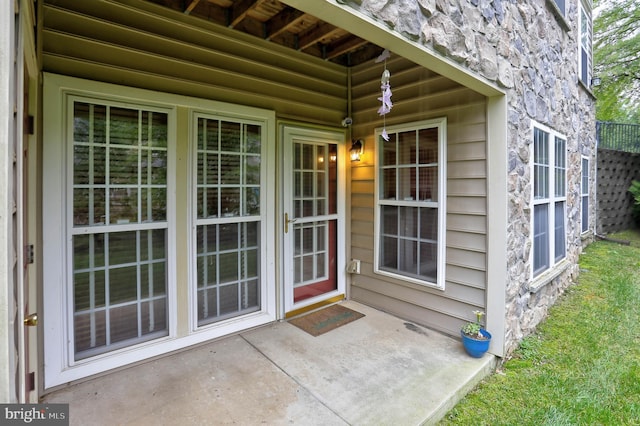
(419, 94)
(144, 45)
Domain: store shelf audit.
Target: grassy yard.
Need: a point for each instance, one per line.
(582, 367)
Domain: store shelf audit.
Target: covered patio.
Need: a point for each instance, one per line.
(378, 369)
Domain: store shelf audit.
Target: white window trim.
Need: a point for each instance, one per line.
(585, 8)
(441, 125)
(544, 276)
(267, 262)
(584, 193)
(59, 366)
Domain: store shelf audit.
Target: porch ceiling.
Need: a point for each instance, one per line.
(278, 23)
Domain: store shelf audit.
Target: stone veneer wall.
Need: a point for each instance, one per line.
(525, 48)
(616, 171)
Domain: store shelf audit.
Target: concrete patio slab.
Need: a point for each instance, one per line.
(376, 370)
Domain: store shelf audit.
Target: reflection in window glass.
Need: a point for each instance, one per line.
(549, 199)
(119, 178)
(409, 202)
(227, 198)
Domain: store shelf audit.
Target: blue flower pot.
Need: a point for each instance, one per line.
(476, 347)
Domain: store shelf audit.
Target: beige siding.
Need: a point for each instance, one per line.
(155, 48)
(418, 95)
(138, 44)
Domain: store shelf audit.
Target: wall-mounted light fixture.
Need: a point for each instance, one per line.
(357, 149)
(595, 81)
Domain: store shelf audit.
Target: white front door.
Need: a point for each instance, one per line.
(313, 218)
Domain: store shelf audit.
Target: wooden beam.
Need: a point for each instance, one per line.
(283, 21)
(240, 9)
(343, 47)
(191, 6)
(316, 35)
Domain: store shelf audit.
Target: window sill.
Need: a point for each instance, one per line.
(407, 281)
(587, 88)
(586, 235)
(559, 15)
(539, 282)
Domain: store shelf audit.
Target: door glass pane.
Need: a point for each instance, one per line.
(120, 299)
(228, 266)
(228, 249)
(313, 234)
(119, 177)
(230, 136)
(332, 190)
(314, 253)
(228, 168)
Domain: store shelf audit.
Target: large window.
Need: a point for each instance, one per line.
(585, 56)
(410, 202)
(584, 194)
(154, 218)
(227, 218)
(549, 199)
(119, 239)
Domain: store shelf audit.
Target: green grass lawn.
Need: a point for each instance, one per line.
(582, 366)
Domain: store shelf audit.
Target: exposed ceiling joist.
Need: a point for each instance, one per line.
(281, 24)
(191, 6)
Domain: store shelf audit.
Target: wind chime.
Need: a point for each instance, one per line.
(385, 86)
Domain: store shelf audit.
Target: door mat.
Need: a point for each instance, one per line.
(326, 319)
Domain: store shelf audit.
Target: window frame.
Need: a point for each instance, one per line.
(560, 13)
(585, 43)
(562, 6)
(225, 219)
(59, 366)
(584, 194)
(550, 199)
(110, 228)
(441, 125)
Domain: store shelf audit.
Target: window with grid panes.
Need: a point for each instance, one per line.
(119, 233)
(549, 199)
(584, 194)
(410, 202)
(585, 56)
(227, 217)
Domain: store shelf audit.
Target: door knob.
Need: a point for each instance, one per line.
(31, 320)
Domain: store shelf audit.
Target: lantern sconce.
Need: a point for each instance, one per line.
(357, 149)
(595, 81)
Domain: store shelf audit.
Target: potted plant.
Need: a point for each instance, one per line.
(475, 338)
